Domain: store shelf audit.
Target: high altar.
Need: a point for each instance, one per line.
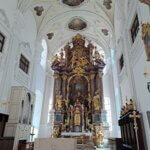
(78, 89)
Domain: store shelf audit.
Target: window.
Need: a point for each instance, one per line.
(24, 64)
(135, 28)
(2, 40)
(108, 114)
(121, 62)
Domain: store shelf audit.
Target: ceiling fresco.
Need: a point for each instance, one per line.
(77, 24)
(72, 2)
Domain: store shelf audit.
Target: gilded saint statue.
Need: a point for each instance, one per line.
(77, 119)
(55, 133)
(77, 113)
(96, 101)
(99, 137)
(59, 102)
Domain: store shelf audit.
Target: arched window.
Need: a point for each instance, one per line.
(21, 112)
(31, 113)
(27, 109)
(28, 106)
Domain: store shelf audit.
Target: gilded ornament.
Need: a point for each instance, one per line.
(59, 102)
(145, 30)
(92, 76)
(64, 77)
(99, 136)
(56, 76)
(96, 101)
(56, 132)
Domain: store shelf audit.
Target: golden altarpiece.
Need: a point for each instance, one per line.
(78, 89)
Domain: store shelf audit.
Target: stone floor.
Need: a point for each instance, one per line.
(103, 149)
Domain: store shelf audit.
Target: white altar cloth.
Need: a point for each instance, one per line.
(72, 134)
(55, 144)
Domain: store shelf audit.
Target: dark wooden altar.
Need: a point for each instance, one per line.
(131, 128)
(78, 90)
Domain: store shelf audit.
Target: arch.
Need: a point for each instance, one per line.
(28, 106)
(31, 114)
(21, 112)
(72, 13)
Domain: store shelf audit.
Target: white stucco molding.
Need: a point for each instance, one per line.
(18, 25)
(23, 78)
(4, 19)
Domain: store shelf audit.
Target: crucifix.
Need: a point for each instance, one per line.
(135, 116)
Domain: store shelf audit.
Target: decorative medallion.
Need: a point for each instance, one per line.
(72, 2)
(39, 10)
(50, 35)
(107, 3)
(77, 24)
(105, 32)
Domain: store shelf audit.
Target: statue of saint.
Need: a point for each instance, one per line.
(56, 132)
(98, 58)
(62, 59)
(77, 113)
(99, 136)
(59, 102)
(55, 62)
(77, 118)
(96, 101)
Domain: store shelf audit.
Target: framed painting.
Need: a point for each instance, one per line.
(146, 39)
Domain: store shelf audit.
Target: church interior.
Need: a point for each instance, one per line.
(74, 74)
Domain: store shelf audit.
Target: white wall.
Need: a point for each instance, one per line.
(143, 95)
(132, 82)
(109, 92)
(21, 38)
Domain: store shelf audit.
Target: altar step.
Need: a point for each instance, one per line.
(88, 146)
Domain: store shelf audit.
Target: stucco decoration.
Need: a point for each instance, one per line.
(77, 24)
(145, 1)
(3, 18)
(50, 35)
(39, 10)
(72, 2)
(105, 32)
(107, 3)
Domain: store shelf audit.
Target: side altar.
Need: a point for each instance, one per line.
(78, 88)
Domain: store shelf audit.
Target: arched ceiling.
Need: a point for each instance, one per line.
(53, 16)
